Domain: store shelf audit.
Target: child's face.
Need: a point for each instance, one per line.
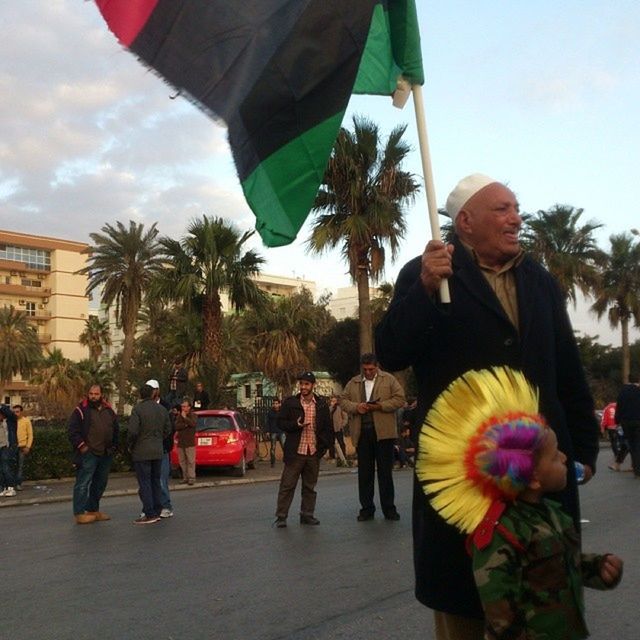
(551, 468)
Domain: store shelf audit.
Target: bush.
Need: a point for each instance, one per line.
(52, 457)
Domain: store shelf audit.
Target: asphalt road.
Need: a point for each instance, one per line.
(218, 569)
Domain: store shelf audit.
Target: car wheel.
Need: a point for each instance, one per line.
(176, 473)
(251, 464)
(241, 468)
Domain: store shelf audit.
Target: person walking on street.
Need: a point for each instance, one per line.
(340, 420)
(371, 400)
(619, 446)
(93, 431)
(178, 379)
(25, 441)
(149, 425)
(628, 416)
(505, 309)
(276, 434)
(306, 421)
(185, 424)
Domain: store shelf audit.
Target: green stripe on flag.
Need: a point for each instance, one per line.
(282, 189)
(392, 49)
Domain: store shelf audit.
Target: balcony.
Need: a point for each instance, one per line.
(44, 338)
(18, 290)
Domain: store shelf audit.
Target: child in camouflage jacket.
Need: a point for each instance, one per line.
(525, 551)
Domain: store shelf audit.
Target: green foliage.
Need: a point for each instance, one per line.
(52, 456)
(339, 352)
(19, 348)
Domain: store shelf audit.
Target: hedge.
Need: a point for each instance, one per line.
(52, 457)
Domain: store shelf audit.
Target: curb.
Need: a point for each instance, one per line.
(46, 499)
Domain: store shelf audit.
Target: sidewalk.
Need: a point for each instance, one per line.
(124, 484)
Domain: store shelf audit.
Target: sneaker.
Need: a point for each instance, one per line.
(280, 523)
(18, 487)
(166, 513)
(9, 492)
(191, 482)
(309, 520)
(147, 520)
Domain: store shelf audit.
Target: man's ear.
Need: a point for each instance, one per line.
(463, 222)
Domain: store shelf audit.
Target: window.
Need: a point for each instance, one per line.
(32, 258)
(30, 308)
(247, 391)
(259, 389)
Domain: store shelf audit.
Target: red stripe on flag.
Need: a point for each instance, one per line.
(126, 17)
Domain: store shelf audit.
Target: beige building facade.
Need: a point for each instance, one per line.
(38, 276)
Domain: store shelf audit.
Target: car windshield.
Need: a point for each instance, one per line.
(214, 423)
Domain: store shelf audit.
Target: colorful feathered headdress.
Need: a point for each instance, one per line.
(478, 444)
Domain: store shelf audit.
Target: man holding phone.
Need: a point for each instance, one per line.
(371, 400)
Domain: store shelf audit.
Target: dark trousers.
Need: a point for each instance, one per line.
(307, 468)
(92, 474)
(7, 467)
(632, 434)
(339, 436)
(148, 473)
(275, 437)
(372, 454)
(619, 445)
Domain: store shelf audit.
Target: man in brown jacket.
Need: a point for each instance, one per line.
(371, 400)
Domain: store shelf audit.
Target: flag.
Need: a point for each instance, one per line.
(279, 73)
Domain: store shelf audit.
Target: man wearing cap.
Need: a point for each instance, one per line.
(93, 432)
(149, 425)
(505, 309)
(306, 420)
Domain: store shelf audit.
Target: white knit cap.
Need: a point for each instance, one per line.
(466, 188)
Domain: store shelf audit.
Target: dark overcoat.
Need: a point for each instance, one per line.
(441, 342)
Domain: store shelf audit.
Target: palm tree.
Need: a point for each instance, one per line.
(96, 336)
(360, 207)
(19, 348)
(568, 250)
(207, 262)
(284, 334)
(60, 384)
(619, 291)
(123, 262)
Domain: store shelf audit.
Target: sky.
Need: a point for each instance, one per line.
(540, 95)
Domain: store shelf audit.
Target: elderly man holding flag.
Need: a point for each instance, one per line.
(505, 309)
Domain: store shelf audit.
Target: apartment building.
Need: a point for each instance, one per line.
(38, 276)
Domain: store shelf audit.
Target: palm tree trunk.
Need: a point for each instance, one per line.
(212, 329)
(364, 310)
(626, 353)
(125, 366)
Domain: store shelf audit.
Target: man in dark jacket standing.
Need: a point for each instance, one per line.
(149, 425)
(307, 423)
(93, 432)
(628, 415)
(505, 310)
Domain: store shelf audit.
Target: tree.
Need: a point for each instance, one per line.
(19, 348)
(60, 385)
(339, 350)
(285, 332)
(208, 261)
(96, 337)
(568, 250)
(123, 262)
(360, 207)
(618, 294)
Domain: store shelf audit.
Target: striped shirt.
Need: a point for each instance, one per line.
(307, 446)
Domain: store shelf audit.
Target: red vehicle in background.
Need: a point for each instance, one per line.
(223, 439)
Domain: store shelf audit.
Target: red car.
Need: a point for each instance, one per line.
(223, 439)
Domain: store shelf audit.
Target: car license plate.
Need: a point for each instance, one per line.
(204, 441)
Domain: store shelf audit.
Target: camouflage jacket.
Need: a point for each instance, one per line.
(535, 593)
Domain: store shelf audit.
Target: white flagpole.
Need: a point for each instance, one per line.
(428, 178)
